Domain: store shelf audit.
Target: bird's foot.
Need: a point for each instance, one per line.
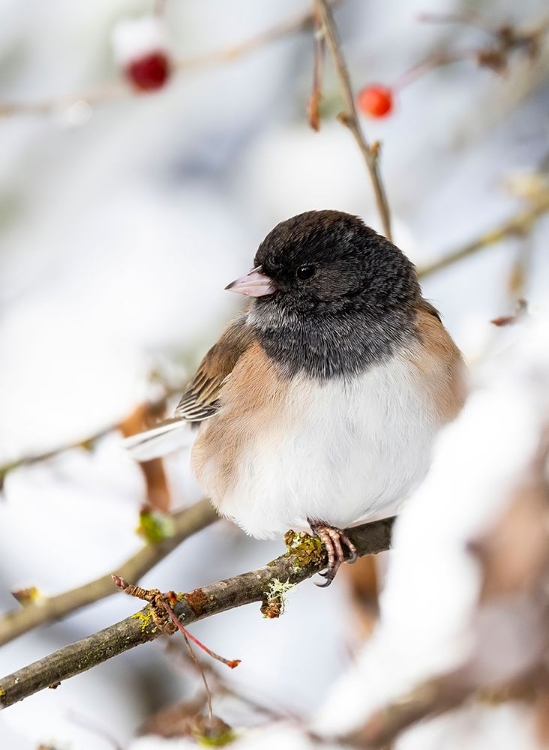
(334, 541)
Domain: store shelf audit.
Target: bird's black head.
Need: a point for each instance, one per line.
(332, 296)
(329, 261)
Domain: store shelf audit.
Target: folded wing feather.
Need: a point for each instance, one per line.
(200, 400)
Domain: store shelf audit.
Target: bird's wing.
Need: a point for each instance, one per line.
(200, 399)
(429, 308)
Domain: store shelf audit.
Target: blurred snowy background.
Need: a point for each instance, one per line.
(121, 223)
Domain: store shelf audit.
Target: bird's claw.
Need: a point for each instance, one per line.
(334, 540)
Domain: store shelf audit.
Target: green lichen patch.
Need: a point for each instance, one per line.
(145, 617)
(154, 527)
(219, 741)
(305, 549)
(5, 470)
(211, 731)
(88, 445)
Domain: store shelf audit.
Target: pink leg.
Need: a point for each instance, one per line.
(334, 540)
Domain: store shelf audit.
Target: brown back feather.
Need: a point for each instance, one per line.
(201, 396)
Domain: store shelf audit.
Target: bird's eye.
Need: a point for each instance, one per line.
(305, 272)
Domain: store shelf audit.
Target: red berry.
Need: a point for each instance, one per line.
(375, 100)
(149, 72)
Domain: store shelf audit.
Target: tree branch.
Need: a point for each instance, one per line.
(429, 699)
(87, 444)
(349, 116)
(438, 696)
(304, 558)
(147, 409)
(516, 226)
(185, 523)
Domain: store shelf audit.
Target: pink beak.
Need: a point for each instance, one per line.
(253, 284)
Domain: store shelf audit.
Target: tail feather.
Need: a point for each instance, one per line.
(165, 438)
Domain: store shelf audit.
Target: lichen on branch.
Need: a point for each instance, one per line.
(304, 558)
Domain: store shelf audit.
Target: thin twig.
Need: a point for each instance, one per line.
(99, 95)
(231, 663)
(302, 22)
(518, 225)
(521, 310)
(468, 18)
(151, 408)
(118, 89)
(313, 105)
(349, 115)
(86, 723)
(222, 687)
(302, 561)
(86, 444)
(185, 523)
(496, 56)
(200, 669)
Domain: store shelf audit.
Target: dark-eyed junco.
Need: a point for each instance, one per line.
(318, 406)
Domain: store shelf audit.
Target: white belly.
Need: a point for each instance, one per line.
(355, 450)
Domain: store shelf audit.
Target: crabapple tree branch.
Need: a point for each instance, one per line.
(183, 524)
(305, 557)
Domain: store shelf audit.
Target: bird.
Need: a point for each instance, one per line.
(318, 407)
